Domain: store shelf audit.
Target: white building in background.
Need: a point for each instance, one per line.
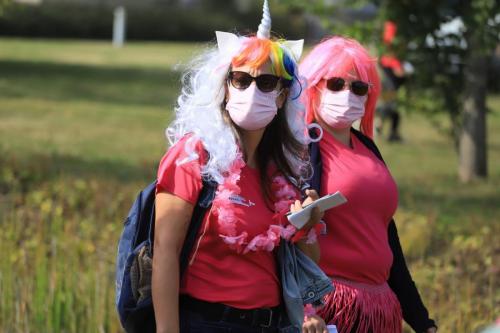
(119, 24)
(29, 2)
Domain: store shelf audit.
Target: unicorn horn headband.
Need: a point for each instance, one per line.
(264, 31)
(229, 43)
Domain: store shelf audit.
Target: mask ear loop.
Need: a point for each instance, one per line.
(312, 126)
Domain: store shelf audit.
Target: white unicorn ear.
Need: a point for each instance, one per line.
(295, 47)
(226, 41)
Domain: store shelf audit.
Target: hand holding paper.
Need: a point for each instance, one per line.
(301, 217)
(315, 215)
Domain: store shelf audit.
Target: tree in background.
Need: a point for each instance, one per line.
(3, 4)
(450, 43)
(358, 19)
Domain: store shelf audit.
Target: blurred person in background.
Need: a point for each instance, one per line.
(394, 75)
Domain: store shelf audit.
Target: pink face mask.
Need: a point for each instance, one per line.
(339, 109)
(252, 109)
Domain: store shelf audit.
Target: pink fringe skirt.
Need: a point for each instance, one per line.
(362, 308)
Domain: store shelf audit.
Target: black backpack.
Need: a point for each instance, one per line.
(135, 252)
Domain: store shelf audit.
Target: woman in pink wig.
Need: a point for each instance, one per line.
(361, 250)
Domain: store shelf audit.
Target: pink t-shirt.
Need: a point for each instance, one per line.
(356, 245)
(217, 273)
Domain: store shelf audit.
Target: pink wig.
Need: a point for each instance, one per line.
(336, 57)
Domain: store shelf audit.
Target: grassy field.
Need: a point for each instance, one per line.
(81, 131)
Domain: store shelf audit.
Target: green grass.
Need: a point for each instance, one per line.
(425, 167)
(82, 130)
(137, 55)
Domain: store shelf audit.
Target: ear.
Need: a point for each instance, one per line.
(227, 42)
(295, 47)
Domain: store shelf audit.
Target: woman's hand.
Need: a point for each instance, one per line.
(316, 215)
(311, 249)
(314, 324)
(431, 330)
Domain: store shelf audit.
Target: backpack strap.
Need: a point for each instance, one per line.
(315, 159)
(203, 204)
(368, 143)
(317, 165)
(205, 199)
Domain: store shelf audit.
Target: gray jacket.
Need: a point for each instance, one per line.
(303, 282)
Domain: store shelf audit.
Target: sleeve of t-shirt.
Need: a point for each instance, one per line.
(179, 170)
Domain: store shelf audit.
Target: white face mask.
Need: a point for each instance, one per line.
(252, 109)
(339, 109)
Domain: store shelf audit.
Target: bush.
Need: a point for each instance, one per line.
(160, 22)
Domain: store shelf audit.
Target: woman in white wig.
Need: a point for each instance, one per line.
(239, 123)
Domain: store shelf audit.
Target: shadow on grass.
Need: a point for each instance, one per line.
(68, 82)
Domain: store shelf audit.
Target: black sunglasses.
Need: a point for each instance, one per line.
(359, 88)
(242, 80)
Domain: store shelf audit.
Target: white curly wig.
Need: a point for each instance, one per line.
(199, 111)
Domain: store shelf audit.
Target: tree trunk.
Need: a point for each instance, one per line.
(472, 141)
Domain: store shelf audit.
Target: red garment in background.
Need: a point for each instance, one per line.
(391, 62)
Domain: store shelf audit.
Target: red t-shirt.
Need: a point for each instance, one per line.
(217, 273)
(356, 245)
(391, 62)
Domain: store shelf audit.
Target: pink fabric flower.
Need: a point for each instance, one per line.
(282, 206)
(261, 242)
(287, 192)
(227, 221)
(223, 195)
(288, 231)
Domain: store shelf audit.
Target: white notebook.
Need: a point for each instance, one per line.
(299, 219)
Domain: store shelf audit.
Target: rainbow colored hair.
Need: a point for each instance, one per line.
(336, 57)
(255, 52)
